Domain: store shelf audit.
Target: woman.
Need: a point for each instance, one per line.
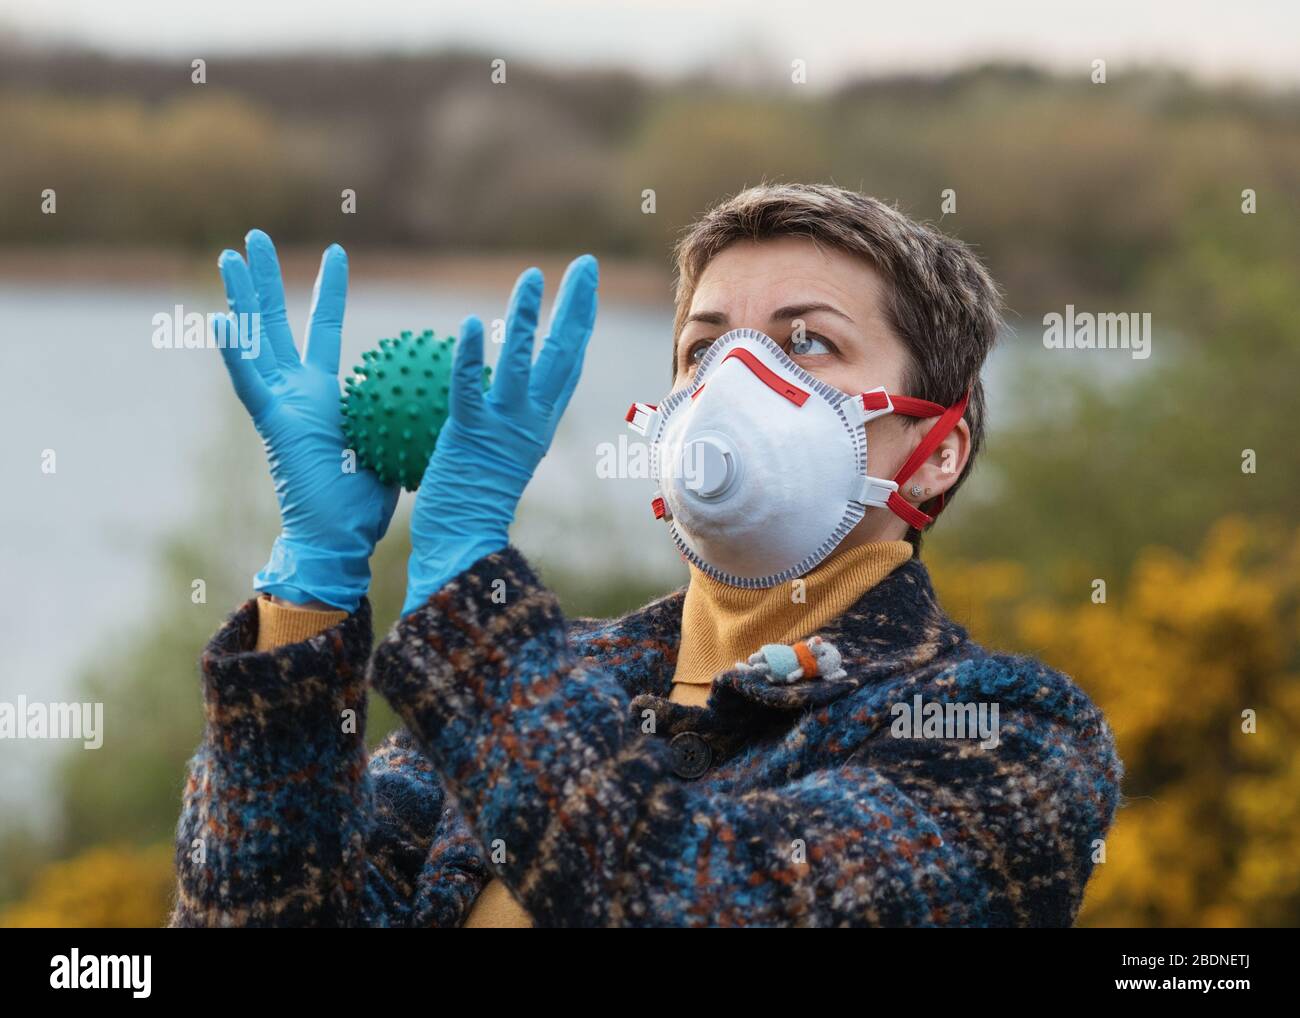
(798, 737)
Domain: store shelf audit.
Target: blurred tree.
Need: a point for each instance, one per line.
(1098, 464)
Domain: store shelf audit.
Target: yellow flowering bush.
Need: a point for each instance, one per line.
(1195, 663)
(106, 886)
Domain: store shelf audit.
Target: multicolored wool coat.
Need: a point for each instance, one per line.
(548, 754)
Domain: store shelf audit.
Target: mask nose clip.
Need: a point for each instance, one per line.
(709, 466)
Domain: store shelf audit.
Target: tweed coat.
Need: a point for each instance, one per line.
(548, 754)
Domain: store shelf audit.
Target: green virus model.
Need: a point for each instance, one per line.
(396, 404)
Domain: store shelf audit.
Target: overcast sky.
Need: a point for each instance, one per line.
(1259, 39)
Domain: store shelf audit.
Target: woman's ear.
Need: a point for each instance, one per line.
(941, 470)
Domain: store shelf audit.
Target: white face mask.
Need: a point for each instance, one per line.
(762, 468)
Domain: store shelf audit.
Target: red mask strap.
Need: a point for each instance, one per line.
(948, 419)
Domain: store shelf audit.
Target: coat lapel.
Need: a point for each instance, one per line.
(638, 649)
(895, 627)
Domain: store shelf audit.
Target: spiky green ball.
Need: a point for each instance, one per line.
(396, 404)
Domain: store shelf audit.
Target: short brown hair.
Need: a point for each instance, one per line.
(942, 302)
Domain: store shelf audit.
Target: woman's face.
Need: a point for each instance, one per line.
(773, 286)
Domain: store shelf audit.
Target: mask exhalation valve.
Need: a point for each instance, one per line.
(709, 466)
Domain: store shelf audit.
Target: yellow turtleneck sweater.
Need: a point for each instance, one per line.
(721, 625)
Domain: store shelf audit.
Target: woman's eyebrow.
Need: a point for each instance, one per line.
(799, 310)
(709, 317)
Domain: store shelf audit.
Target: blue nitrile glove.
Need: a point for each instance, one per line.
(332, 513)
(493, 441)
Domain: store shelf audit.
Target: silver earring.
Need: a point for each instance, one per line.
(915, 491)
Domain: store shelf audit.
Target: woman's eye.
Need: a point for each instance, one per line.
(808, 345)
(696, 353)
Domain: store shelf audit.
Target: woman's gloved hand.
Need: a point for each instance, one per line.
(332, 513)
(493, 441)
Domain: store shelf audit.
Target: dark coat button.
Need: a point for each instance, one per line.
(691, 755)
